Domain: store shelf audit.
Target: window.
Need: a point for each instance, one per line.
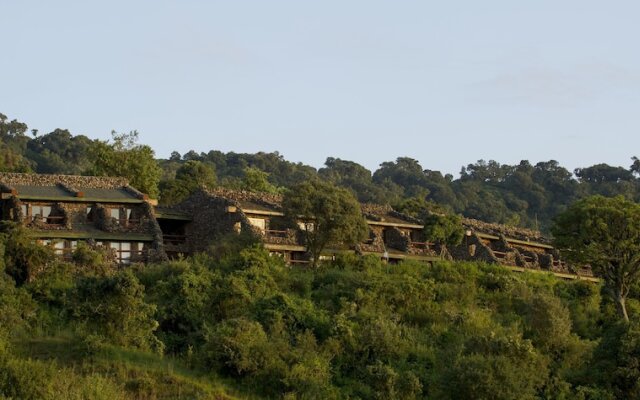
(58, 247)
(126, 252)
(42, 213)
(123, 216)
(62, 248)
(123, 251)
(306, 226)
(259, 223)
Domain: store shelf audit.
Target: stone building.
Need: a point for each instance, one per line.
(209, 215)
(62, 210)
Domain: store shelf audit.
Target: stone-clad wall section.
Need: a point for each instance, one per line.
(211, 219)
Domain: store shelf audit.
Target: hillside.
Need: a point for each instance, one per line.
(246, 326)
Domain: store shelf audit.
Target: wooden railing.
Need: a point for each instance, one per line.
(52, 220)
(134, 255)
(499, 254)
(174, 239)
(299, 262)
(421, 245)
(66, 253)
(126, 222)
(276, 233)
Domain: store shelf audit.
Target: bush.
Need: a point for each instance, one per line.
(23, 259)
(114, 308)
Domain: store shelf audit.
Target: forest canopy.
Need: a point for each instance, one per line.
(527, 195)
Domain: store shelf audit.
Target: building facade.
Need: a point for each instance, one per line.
(62, 211)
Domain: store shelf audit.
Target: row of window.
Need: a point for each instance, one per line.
(261, 224)
(125, 251)
(47, 214)
(41, 213)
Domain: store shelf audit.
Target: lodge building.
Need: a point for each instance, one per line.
(62, 211)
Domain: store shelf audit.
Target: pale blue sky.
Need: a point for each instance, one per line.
(446, 82)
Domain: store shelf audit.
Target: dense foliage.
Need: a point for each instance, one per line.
(605, 234)
(238, 323)
(352, 328)
(327, 215)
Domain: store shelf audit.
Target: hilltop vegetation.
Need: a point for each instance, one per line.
(526, 194)
(235, 322)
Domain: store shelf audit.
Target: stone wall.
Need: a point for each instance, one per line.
(473, 248)
(395, 239)
(211, 219)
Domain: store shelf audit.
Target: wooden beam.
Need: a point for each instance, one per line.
(395, 224)
(263, 212)
(57, 234)
(80, 199)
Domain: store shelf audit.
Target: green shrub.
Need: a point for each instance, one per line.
(113, 307)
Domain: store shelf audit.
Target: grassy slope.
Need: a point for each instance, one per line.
(129, 373)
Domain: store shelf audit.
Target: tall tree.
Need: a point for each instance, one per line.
(605, 233)
(190, 176)
(255, 180)
(328, 214)
(125, 157)
(444, 229)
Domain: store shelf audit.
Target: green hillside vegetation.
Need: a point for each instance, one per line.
(235, 322)
(247, 326)
(526, 194)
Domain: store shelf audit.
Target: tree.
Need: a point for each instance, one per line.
(444, 229)
(13, 143)
(21, 257)
(635, 167)
(59, 152)
(114, 308)
(189, 177)
(256, 180)
(329, 215)
(604, 233)
(125, 157)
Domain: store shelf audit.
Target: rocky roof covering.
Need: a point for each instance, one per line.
(249, 200)
(507, 231)
(41, 191)
(11, 179)
(61, 187)
(384, 213)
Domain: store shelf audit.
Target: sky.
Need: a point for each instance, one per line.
(444, 82)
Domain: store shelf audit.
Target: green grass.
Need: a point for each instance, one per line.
(141, 375)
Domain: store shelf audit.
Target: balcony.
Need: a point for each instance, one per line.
(288, 236)
(174, 239)
(421, 248)
(40, 220)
